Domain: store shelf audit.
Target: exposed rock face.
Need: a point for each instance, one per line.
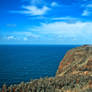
(77, 66)
(76, 61)
(73, 75)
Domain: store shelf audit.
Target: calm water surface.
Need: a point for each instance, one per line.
(24, 62)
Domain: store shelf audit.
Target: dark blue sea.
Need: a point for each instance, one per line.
(26, 62)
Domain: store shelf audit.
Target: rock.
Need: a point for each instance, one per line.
(76, 61)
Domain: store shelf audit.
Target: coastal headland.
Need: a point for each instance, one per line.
(74, 74)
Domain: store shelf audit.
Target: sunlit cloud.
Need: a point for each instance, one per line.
(88, 10)
(54, 4)
(33, 10)
(11, 38)
(25, 38)
(62, 29)
(21, 36)
(71, 19)
(85, 13)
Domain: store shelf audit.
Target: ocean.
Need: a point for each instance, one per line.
(26, 62)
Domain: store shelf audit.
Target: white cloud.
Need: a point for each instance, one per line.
(58, 31)
(88, 10)
(11, 38)
(65, 18)
(27, 34)
(33, 10)
(89, 6)
(25, 38)
(20, 36)
(53, 4)
(73, 30)
(85, 13)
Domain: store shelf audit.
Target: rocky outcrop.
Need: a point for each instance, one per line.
(76, 61)
(77, 66)
(74, 74)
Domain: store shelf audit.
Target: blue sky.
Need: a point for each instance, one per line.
(45, 21)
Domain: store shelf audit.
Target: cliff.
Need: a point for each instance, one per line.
(76, 61)
(74, 74)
